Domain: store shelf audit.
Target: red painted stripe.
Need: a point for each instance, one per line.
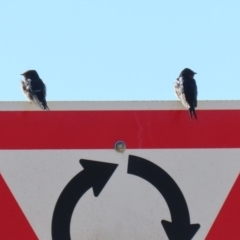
(14, 224)
(226, 225)
(101, 129)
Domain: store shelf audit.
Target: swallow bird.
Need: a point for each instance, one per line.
(186, 90)
(34, 89)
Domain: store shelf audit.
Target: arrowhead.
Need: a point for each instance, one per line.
(99, 173)
(179, 231)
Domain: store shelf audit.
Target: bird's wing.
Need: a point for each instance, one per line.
(44, 90)
(179, 90)
(37, 91)
(195, 92)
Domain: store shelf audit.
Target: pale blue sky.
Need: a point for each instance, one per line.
(120, 49)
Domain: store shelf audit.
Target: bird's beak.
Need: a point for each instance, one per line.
(22, 74)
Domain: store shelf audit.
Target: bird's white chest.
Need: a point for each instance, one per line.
(27, 83)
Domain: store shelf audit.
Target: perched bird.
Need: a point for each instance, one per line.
(186, 90)
(34, 89)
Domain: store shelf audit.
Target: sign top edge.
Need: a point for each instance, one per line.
(119, 105)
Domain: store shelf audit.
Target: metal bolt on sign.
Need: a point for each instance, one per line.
(120, 146)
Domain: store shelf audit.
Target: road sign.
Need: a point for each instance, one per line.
(177, 179)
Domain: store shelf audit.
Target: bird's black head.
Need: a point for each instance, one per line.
(30, 74)
(187, 72)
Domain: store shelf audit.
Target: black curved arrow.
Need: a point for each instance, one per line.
(94, 175)
(180, 227)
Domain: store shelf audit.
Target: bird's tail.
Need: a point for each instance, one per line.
(192, 112)
(43, 105)
(46, 108)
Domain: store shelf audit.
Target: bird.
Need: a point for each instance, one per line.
(34, 89)
(186, 90)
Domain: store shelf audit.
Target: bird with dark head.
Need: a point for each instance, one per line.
(34, 89)
(186, 90)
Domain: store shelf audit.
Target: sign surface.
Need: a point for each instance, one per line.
(177, 179)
